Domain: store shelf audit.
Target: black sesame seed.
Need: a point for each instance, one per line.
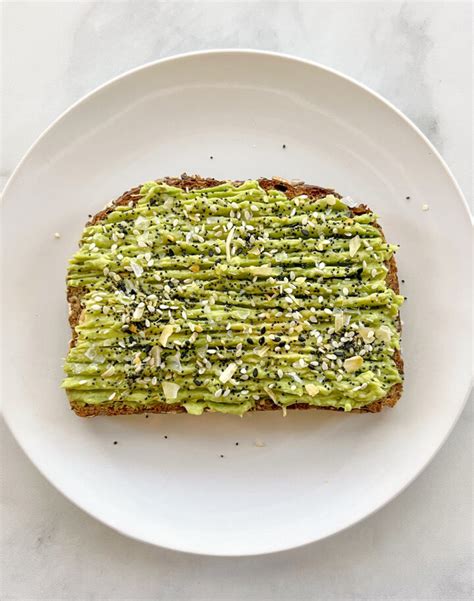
(263, 330)
(284, 146)
(211, 157)
(222, 456)
(261, 340)
(305, 233)
(250, 341)
(236, 444)
(115, 442)
(165, 436)
(255, 373)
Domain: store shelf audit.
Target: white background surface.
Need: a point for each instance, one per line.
(416, 55)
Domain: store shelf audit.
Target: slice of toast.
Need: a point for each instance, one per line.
(75, 295)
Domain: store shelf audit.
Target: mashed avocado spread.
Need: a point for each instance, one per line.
(226, 297)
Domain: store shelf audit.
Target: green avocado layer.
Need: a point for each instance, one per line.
(225, 297)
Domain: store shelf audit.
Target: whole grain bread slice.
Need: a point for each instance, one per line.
(291, 189)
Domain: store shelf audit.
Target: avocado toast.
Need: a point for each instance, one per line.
(191, 294)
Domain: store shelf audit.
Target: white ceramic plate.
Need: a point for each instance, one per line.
(319, 472)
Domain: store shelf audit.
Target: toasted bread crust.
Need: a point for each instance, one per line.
(291, 189)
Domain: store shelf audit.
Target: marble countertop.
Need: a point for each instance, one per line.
(417, 55)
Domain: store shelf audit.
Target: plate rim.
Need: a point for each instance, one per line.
(206, 52)
(287, 57)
